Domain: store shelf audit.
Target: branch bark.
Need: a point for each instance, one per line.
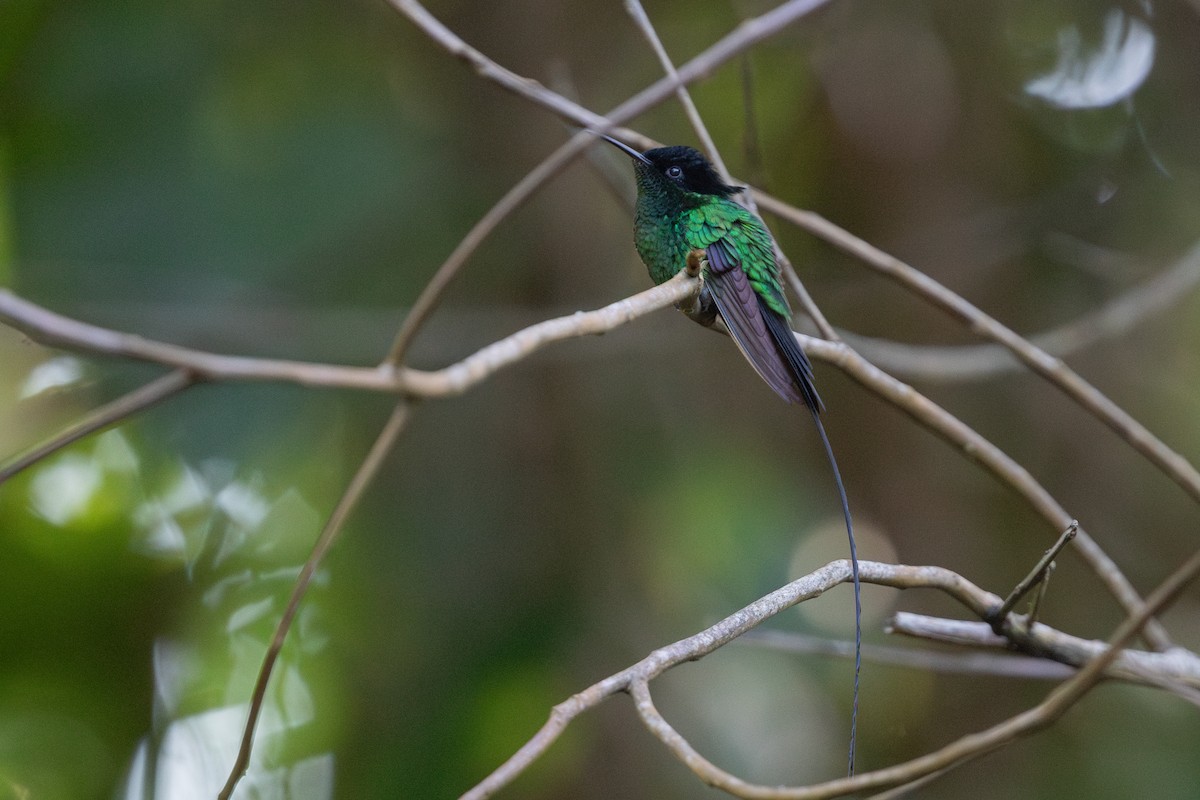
(54, 329)
(1133, 666)
(1051, 368)
(635, 681)
(333, 527)
(745, 36)
(106, 415)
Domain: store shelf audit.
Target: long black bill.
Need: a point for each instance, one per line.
(634, 154)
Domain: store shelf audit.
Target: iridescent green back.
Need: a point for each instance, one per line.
(669, 224)
(719, 218)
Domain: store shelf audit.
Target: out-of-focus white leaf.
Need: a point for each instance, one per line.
(57, 373)
(1097, 77)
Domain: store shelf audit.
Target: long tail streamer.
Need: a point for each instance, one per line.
(837, 478)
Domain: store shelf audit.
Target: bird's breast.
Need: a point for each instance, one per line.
(661, 245)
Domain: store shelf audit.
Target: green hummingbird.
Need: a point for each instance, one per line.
(684, 215)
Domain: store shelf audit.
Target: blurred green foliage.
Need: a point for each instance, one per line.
(283, 179)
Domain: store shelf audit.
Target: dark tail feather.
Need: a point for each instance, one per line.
(837, 478)
(804, 389)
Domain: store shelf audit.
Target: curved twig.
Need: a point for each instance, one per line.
(953, 662)
(635, 680)
(1134, 666)
(642, 20)
(746, 35)
(977, 448)
(349, 499)
(1049, 367)
(1112, 320)
(720, 634)
(1054, 370)
(938, 762)
(108, 414)
(55, 329)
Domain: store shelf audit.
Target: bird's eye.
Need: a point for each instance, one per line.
(675, 172)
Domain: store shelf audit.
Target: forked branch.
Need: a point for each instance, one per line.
(635, 680)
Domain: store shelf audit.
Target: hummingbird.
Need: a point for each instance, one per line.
(685, 217)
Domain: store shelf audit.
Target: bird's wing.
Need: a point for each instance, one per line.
(761, 332)
(798, 362)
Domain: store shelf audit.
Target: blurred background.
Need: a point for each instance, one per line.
(281, 179)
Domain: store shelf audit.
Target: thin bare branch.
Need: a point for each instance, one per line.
(640, 18)
(1044, 364)
(908, 788)
(635, 680)
(1065, 695)
(1054, 370)
(1111, 321)
(954, 662)
(792, 277)
(1134, 666)
(720, 634)
(976, 745)
(977, 448)
(1038, 574)
(329, 534)
(427, 301)
(108, 414)
(746, 35)
(55, 330)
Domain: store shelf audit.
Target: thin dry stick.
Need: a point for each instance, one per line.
(1041, 362)
(55, 329)
(953, 755)
(911, 786)
(978, 601)
(349, 499)
(1175, 668)
(746, 35)
(1115, 318)
(634, 7)
(513, 199)
(108, 414)
(1038, 573)
(638, 13)
(720, 634)
(1070, 691)
(810, 306)
(1035, 605)
(1052, 369)
(962, 663)
(979, 449)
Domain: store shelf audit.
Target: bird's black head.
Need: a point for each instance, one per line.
(690, 170)
(683, 167)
